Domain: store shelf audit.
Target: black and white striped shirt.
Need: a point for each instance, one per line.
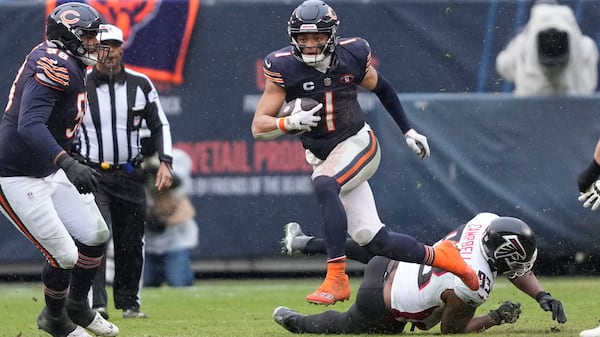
(116, 107)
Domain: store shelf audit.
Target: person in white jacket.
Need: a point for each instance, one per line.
(550, 56)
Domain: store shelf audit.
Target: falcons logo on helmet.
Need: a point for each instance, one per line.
(511, 249)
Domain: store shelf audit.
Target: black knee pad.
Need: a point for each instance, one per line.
(325, 185)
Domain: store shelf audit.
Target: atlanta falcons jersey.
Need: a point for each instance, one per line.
(417, 289)
(45, 107)
(341, 116)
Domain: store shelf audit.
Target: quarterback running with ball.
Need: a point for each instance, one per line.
(340, 145)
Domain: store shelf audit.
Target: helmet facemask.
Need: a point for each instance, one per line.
(90, 54)
(326, 49)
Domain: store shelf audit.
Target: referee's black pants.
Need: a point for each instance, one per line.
(121, 198)
(368, 314)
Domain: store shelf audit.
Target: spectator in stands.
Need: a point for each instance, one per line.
(171, 231)
(550, 56)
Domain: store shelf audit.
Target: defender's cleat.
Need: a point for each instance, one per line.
(81, 314)
(294, 240)
(447, 256)
(60, 326)
(333, 289)
(284, 316)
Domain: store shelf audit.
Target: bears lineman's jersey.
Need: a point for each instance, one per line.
(417, 289)
(341, 116)
(48, 98)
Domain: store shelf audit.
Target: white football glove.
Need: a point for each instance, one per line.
(591, 197)
(301, 119)
(418, 143)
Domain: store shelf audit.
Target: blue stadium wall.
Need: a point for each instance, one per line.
(490, 151)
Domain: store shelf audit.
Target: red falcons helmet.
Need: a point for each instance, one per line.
(510, 246)
(69, 23)
(313, 16)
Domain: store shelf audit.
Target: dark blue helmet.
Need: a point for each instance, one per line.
(313, 16)
(69, 23)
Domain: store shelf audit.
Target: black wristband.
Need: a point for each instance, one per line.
(541, 294)
(587, 177)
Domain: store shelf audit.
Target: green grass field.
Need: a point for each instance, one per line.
(242, 308)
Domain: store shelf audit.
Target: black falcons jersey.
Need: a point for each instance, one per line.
(341, 116)
(45, 107)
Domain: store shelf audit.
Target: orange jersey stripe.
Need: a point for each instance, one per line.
(356, 165)
(10, 213)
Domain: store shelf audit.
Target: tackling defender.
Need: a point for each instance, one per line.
(44, 192)
(393, 293)
(340, 145)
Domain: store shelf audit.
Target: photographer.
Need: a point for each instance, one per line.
(550, 56)
(171, 230)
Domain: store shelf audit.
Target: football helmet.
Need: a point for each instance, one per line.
(510, 246)
(68, 24)
(313, 16)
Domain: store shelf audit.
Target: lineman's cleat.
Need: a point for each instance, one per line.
(294, 240)
(447, 256)
(60, 326)
(81, 313)
(333, 289)
(103, 311)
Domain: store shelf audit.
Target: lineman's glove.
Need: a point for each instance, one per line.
(301, 119)
(549, 303)
(417, 142)
(507, 312)
(591, 197)
(82, 176)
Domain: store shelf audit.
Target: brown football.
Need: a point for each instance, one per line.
(306, 103)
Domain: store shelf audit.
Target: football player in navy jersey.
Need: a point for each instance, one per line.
(340, 145)
(44, 192)
(394, 293)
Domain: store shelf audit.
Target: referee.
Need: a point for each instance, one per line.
(119, 99)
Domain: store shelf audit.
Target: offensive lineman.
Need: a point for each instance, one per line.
(394, 293)
(44, 192)
(340, 145)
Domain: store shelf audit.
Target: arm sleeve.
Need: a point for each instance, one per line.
(388, 97)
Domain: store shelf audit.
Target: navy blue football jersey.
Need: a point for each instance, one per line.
(45, 107)
(341, 116)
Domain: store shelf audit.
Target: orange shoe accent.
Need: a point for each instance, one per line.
(334, 289)
(447, 256)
